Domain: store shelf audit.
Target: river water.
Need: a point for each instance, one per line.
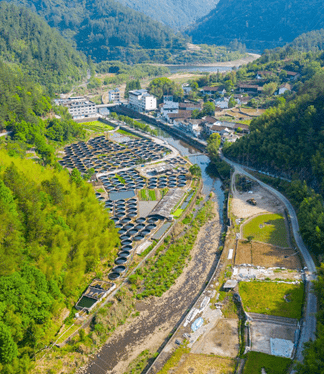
(200, 69)
(212, 182)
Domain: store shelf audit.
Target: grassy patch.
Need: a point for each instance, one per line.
(202, 364)
(138, 365)
(164, 192)
(267, 228)
(177, 213)
(152, 195)
(68, 332)
(97, 126)
(143, 195)
(271, 364)
(174, 359)
(147, 195)
(123, 132)
(121, 179)
(271, 298)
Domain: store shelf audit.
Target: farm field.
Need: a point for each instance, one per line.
(267, 228)
(257, 361)
(97, 126)
(267, 255)
(178, 213)
(272, 298)
(147, 195)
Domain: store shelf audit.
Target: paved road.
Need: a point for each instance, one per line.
(309, 323)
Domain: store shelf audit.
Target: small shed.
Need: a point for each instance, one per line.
(230, 284)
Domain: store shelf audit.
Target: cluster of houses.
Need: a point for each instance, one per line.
(179, 115)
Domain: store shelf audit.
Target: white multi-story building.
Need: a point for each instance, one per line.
(114, 95)
(168, 106)
(141, 100)
(79, 107)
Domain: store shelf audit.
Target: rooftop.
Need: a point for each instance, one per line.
(165, 206)
(231, 283)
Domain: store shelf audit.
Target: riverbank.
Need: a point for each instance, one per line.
(235, 63)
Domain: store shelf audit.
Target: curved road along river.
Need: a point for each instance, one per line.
(309, 323)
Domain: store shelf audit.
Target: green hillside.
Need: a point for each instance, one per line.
(40, 51)
(177, 14)
(108, 30)
(49, 246)
(257, 23)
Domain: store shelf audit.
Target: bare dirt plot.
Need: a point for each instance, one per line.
(204, 364)
(222, 340)
(265, 203)
(267, 255)
(261, 332)
(243, 253)
(242, 273)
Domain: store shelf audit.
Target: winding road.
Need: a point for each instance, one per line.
(308, 327)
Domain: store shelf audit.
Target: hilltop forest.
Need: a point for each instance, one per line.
(108, 30)
(177, 14)
(258, 24)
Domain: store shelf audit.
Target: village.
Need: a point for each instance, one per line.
(204, 106)
(150, 191)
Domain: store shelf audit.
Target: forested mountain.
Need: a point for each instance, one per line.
(46, 259)
(177, 14)
(44, 253)
(40, 51)
(105, 29)
(310, 41)
(257, 23)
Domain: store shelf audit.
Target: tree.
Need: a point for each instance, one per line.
(76, 177)
(209, 109)
(269, 89)
(165, 86)
(231, 102)
(8, 348)
(194, 86)
(250, 238)
(195, 170)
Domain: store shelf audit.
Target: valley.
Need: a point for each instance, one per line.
(161, 187)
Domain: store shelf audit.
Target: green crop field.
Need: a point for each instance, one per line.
(152, 195)
(147, 195)
(267, 228)
(97, 126)
(178, 213)
(271, 364)
(271, 298)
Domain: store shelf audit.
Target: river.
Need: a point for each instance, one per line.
(200, 69)
(212, 182)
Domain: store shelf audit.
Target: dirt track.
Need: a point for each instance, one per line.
(158, 316)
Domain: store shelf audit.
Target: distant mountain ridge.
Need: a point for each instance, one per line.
(258, 24)
(177, 14)
(106, 29)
